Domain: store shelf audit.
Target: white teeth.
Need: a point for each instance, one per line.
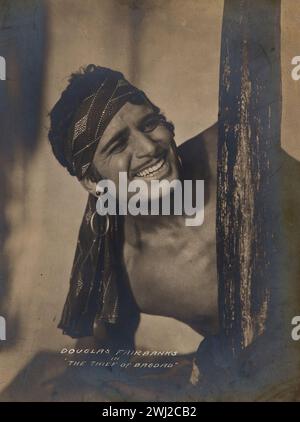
(149, 171)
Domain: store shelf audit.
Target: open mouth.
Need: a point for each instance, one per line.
(153, 170)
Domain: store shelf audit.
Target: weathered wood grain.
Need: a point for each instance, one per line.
(248, 160)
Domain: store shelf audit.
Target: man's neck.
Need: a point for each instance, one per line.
(138, 228)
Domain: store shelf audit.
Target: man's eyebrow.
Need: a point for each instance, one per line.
(115, 137)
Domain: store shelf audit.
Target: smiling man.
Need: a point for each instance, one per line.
(127, 265)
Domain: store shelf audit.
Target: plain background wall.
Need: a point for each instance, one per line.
(170, 49)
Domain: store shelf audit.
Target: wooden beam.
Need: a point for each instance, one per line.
(248, 159)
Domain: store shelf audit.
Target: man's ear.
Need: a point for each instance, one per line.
(89, 185)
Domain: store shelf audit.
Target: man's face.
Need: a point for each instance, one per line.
(137, 141)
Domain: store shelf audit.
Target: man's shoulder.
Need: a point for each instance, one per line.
(290, 180)
(206, 144)
(290, 165)
(202, 149)
(207, 138)
(200, 152)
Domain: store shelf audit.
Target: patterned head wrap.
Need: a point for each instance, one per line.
(97, 283)
(93, 117)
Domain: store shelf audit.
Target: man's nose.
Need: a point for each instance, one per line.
(144, 145)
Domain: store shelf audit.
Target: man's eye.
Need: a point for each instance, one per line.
(152, 124)
(117, 147)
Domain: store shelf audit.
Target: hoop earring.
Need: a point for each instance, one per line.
(107, 225)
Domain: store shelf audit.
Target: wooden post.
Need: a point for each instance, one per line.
(248, 160)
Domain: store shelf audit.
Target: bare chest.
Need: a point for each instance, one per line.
(174, 273)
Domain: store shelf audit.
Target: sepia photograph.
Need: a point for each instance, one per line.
(150, 195)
